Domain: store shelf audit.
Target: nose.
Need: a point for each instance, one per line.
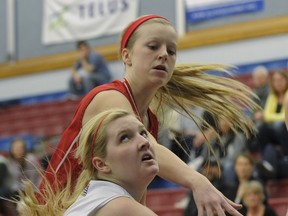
(143, 143)
(163, 54)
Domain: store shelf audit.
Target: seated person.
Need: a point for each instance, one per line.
(226, 147)
(23, 165)
(272, 135)
(253, 198)
(245, 170)
(260, 77)
(118, 164)
(6, 207)
(89, 71)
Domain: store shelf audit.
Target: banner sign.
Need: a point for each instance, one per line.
(199, 10)
(72, 20)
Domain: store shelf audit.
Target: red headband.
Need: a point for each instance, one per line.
(134, 25)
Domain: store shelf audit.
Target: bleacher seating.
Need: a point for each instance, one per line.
(162, 201)
(45, 119)
(36, 120)
(280, 205)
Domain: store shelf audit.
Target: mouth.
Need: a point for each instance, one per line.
(147, 156)
(160, 67)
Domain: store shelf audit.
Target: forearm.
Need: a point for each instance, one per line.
(87, 67)
(175, 170)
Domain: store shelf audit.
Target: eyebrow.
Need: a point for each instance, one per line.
(157, 39)
(140, 127)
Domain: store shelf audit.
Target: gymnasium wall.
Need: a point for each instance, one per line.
(28, 25)
(248, 51)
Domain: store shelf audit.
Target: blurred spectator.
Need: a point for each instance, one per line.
(272, 135)
(226, 148)
(286, 111)
(273, 129)
(260, 77)
(23, 165)
(183, 131)
(193, 136)
(244, 166)
(253, 199)
(6, 208)
(89, 71)
(49, 148)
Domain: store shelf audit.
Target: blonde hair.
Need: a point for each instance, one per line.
(255, 187)
(191, 85)
(58, 200)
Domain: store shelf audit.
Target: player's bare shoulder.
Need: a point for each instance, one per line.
(124, 206)
(104, 101)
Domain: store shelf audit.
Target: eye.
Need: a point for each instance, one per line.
(144, 133)
(171, 52)
(124, 138)
(153, 47)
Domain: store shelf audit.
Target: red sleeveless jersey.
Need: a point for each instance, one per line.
(63, 160)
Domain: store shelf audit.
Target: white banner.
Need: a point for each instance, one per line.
(72, 20)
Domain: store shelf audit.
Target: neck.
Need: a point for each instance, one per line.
(142, 95)
(256, 210)
(243, 180)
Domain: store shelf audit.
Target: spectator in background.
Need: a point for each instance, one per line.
(272, 135)
(6, 208)
(260, 77)
(49, 147)
(89, 71)
(245, 169)
(182, 133)
(286, 110)
(230, 144)
(253, 198)
(23, 165)
(274, 117)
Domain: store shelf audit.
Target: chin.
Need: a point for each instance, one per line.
(155, 170)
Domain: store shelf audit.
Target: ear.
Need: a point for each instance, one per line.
(100, 165)
(126, 57)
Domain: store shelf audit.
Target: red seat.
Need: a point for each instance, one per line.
(162, 201)
(39, 119)
(280, 205)
(160, 197)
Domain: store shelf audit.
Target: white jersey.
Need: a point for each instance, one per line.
(94, 196)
